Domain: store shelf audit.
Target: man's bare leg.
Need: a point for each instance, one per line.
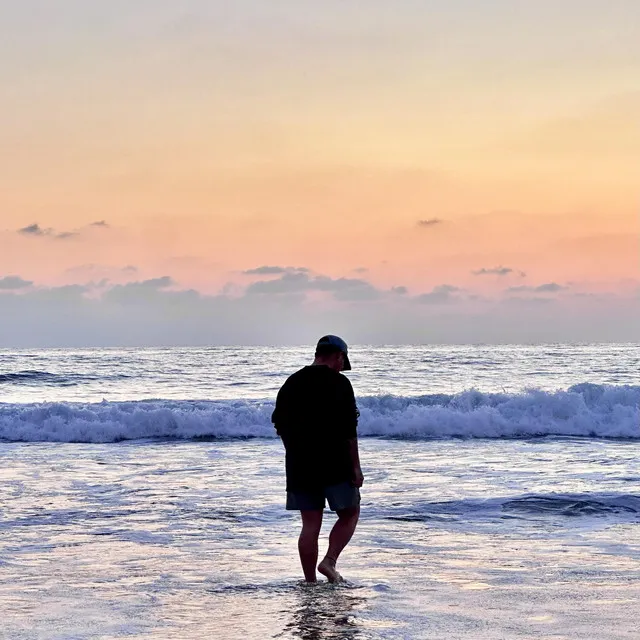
(338, 539)
(308, 543)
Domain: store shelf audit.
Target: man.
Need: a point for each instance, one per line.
(316, 416)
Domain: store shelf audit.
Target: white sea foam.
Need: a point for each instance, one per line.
(585, 410)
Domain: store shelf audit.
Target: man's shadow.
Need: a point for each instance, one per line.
(324, 612)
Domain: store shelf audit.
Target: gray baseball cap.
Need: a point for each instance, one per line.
(340, 344)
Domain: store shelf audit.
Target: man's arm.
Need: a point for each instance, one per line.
(280, 415)
(357, 478)
(352, 415)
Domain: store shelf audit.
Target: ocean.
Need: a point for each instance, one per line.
(143, 495)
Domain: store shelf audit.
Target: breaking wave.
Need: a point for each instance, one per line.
(584, 410)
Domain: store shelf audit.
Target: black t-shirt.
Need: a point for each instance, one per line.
(315, 415)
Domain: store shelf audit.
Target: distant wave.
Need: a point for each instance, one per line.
(584, 410)
(45, 378)
(27, 376)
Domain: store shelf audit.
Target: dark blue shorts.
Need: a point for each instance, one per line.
(339, 496)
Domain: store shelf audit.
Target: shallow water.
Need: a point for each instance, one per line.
(478, 539)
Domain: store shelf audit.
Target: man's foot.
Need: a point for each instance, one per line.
(328, 569)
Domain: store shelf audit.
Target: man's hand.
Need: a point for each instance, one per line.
(358, 478)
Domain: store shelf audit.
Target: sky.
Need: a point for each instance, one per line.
(416, 171)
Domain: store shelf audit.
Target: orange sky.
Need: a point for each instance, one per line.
(213, 140)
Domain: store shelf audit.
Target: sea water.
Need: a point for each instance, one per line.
(143, 496)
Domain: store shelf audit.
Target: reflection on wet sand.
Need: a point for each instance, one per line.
(325, 612)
